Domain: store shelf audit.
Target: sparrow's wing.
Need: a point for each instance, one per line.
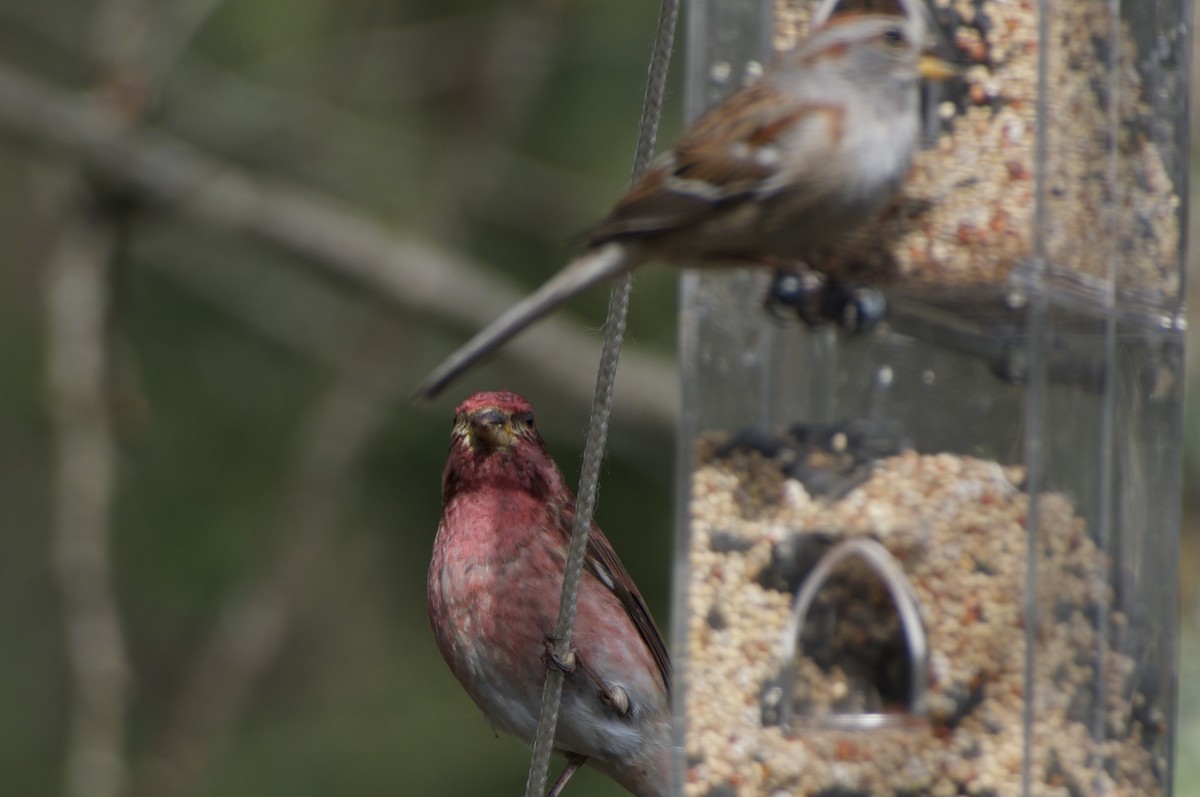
(732, 152)
(602, 562)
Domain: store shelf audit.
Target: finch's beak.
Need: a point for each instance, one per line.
(491, 429)
(932, 67)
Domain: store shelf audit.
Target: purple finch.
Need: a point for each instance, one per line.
(494, 587)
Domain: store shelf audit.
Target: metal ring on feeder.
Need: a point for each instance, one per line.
(913, 9)
(877, 557)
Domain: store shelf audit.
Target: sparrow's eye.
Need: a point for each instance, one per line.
(895, 37)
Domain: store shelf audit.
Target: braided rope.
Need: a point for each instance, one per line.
(593, 452)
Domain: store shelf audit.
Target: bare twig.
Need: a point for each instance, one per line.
(248, 635)
(178, 24)
(511, 75)
(540, 200)
(76, 306)
(413, 274)
(289, 307)
(318, 321)
(119, 35)
(77, 289)
(417, 59)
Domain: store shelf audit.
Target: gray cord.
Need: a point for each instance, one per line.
(593, 452)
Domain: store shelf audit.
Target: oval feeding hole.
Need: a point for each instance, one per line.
(854, 654)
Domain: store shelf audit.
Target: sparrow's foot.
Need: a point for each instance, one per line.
(817, 299)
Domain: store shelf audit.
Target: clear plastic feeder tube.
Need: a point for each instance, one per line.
(993, 467)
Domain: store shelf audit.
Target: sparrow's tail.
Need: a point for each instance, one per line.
(592, 267)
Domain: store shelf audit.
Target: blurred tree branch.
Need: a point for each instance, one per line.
(135, 52)
(246, 639)
(77, 308)
(511, 74)
(172, 40)
(414, 275)
(223, 111)
(76, 312)
(252, 627)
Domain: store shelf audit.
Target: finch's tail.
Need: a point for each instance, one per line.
(585, 271)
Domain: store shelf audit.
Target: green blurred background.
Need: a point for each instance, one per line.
(276, 494)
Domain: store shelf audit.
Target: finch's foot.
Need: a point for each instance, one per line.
(574, 762)
(552, 660)
(615, 697)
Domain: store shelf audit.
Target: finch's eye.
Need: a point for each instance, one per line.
(527, 419)
(894, 36)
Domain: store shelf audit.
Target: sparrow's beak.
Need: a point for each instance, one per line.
(933, 67)
(491, 429)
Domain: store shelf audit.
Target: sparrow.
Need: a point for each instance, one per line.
(778, 170)
(493, 594)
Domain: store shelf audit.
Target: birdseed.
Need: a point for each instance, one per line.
(959, 528)
(968, 217)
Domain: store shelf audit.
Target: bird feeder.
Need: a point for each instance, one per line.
(932, 549)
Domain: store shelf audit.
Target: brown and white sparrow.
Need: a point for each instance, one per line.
(781, 168)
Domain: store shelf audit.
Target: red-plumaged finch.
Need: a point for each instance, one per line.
(494, 587)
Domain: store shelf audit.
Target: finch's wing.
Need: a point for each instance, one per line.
(602, 560)
(604, 564)
(730, 153)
